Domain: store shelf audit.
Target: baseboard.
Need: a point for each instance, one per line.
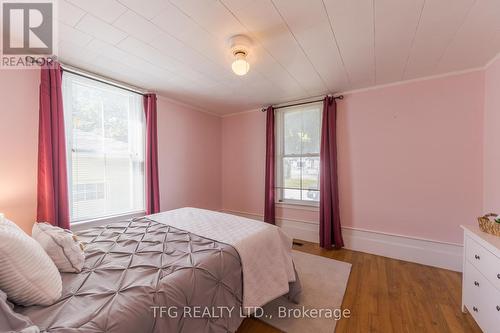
(422, 251)
(412, 249)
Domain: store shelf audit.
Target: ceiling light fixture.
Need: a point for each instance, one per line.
(240, 64)
(239, 47)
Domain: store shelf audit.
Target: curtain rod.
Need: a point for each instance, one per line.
(88, 75)
(340, 97)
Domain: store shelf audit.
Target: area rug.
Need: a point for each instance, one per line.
(324, 282)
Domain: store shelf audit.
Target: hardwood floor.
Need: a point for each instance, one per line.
(387, 295)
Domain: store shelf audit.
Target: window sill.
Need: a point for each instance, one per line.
(314, 207)
(83, 225)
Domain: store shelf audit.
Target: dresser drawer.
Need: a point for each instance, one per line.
(492, 311)
(485, 261)
(476, 289)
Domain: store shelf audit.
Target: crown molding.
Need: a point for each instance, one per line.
(492, 60)
(410, 81)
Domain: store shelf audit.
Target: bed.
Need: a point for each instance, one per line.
(185, 270)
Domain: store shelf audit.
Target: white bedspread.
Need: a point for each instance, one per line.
(265, 251)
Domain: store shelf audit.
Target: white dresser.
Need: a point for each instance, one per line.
(481, 278)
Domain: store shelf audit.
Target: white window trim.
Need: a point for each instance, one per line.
(279, 148)
(106, 219)
(312, 207)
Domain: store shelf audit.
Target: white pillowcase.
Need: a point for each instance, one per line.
(27, 274)
(61, 245)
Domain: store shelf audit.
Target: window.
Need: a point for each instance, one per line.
(298, 136)
(105, 140)
(86, 192)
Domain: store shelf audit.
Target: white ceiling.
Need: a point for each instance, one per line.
(301, 48)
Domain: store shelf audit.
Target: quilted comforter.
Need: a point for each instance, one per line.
(145, 276)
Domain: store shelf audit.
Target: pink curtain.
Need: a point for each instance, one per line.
(329, 219)
(52, 188)
(269, 216)
(151, 163)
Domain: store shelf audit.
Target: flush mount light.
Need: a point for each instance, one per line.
(240, 64)
(239, 47)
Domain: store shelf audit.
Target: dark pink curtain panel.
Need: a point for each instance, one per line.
(269, 215)
(151, 163)
(329, 218)
(52, 189)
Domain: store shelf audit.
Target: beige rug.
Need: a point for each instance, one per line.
(324, 282)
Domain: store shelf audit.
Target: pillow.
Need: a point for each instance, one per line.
(61, 245)
(11, 321)
(27, 275)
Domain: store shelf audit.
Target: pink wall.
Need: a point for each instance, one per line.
(18, 145)
(491, 165)
(243, 160)
(189, 151)
(189, 157)
(409, 158)
(410, 155)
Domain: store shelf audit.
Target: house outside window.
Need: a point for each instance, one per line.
(105, 140)
(298, 137)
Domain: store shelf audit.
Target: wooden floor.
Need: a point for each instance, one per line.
(387, 295)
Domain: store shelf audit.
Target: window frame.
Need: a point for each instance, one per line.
(114, 217)
(280, 156)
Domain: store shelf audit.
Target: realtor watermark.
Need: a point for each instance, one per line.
(29, 33)
(216, 312)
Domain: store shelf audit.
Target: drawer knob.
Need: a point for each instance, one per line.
(475, 309)
(477, 257)
(498, 307)
(476, 283)
(498, 275)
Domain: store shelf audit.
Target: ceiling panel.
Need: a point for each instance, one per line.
(310, 26)
(147, 11)
(75, 36)
(476, 41)
(300, 48)
(174, 21)
(115, 68)
(183, 28)
(107, 10)
(74, 53)
(148, 53)
(393, 46)
(212, 16)
(131, 61)
(352, 22)
(137, 26)
(69, 13)
(100, 29)
(180, 51)
(430, 42)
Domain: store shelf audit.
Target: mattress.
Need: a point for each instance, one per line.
(145, 276)
(264, 249)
